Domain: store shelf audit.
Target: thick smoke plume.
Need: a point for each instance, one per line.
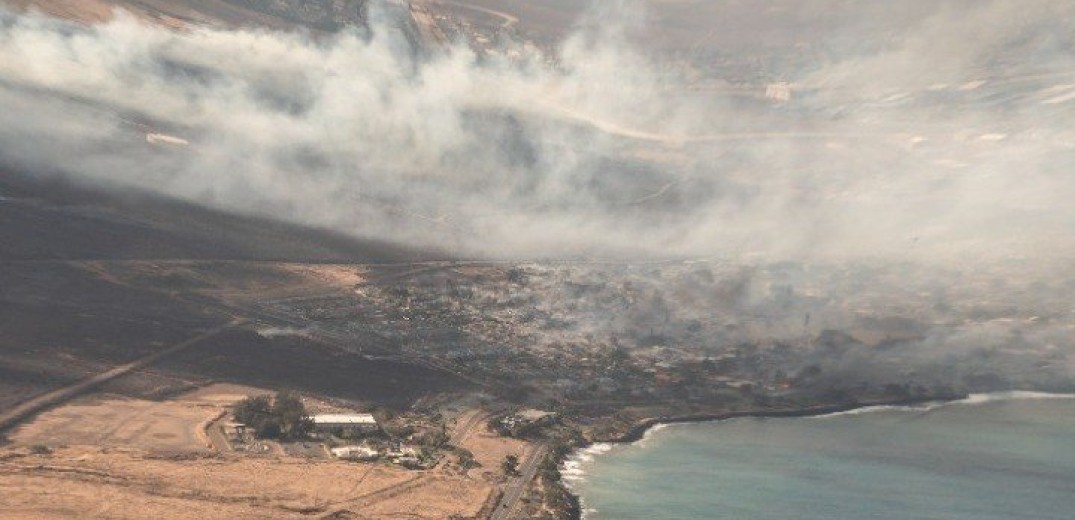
(888, 184)
(947, 139)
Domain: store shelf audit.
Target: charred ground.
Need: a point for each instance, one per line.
(93, 277)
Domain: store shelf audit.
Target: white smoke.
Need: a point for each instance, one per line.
(948, 139)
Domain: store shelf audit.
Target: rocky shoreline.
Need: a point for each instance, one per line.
(638, 431)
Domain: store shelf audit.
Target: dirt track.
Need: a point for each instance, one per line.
(83, 482)
(466, 425)
(44, 401)
(117, 457)
(509, 19)
(173, 426)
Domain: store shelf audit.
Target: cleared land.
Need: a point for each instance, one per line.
(90, 482)
(119, 422)
(129, 458)
(490, 450)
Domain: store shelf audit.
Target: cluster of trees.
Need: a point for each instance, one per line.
(510, 466)
(281, 417)
(466, 458)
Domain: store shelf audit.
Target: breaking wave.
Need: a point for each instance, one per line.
(648, 434)
(572, 468)
(1008, 396)
(970, 400)
(572, 472)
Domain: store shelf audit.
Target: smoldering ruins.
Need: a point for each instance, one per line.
(941, 171)
(771, 207)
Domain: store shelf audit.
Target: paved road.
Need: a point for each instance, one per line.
(461, 433)
(26, 409)
(516, 488)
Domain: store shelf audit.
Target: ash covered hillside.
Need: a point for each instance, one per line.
(53, 218)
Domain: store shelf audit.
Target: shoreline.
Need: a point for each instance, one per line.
(638, 431)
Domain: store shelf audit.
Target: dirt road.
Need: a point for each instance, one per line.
(509, 20)
(37, 404)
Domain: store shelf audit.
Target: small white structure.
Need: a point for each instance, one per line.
(408, 461)
(532, 415)
(355, 453)
(526, 418)
(347, 424)
(235, 431)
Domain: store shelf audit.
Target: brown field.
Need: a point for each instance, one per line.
(93, 482)
(117, 457)
(121, 422)
(490, 450)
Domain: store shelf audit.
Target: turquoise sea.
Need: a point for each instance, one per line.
(989, 457)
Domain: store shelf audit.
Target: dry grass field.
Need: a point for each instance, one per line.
(97, 482)
(114, 457)
(121, 422)
(110, 421)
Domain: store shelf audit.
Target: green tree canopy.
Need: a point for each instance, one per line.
(282, 417)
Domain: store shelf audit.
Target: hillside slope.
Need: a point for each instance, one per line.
(52, 218)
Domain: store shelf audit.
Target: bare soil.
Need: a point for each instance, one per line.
(118, 457)
(112, 421)
(94, 482)
(490, 450)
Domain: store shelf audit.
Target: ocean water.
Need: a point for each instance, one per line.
(990, 457)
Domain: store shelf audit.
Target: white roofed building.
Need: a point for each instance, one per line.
(355, 453)
(344, 424)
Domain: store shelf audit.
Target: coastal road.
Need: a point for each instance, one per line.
(26, 409)
(516, 488)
